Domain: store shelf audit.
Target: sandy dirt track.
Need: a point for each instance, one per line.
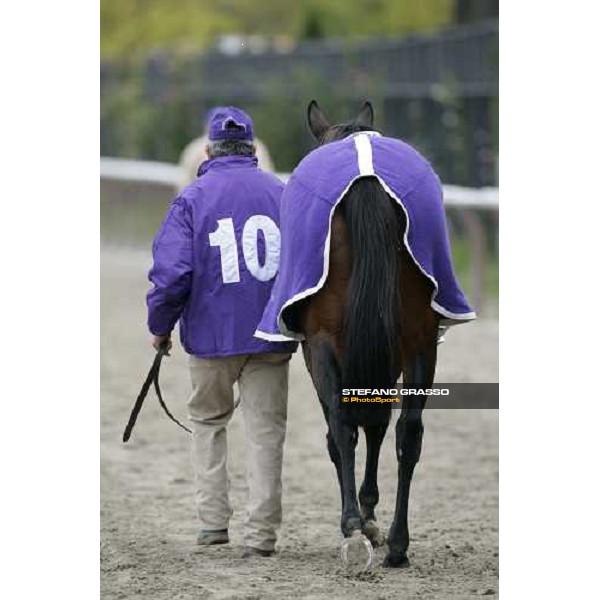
(148, 519)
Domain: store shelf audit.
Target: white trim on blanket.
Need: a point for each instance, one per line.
(272, 337)
(437, 307)
(365, 163)
(469, 316)
(365, 155)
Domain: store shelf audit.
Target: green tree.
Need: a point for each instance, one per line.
(133, 28)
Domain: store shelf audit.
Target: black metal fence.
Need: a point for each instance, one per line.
(438, 92)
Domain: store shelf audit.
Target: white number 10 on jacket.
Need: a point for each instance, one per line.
(224, 238)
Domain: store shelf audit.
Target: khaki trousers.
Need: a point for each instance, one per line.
(263, 384)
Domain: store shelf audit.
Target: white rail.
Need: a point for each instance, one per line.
(161, 173)
(145, 171)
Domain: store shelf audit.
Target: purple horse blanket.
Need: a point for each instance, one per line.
(315, 189)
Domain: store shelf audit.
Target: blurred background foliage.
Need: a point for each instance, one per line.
(136, 27)
(437, 90)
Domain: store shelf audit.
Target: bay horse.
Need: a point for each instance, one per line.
(370, 323)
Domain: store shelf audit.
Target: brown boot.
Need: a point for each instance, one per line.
(208, 537)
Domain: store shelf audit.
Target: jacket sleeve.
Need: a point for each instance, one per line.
(171, 273)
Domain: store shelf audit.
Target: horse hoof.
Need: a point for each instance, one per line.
(357, 552)
(371, 530)
(392, 561)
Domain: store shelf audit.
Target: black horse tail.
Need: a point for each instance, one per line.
(373, 229)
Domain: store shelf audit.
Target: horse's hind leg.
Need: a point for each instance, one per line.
(368, 495)
(334, 455)
(409, 436)
(320, 385)
(342, 437)
(345, 437)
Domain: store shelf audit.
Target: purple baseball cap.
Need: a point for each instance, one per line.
(230, 123)
(208, 115)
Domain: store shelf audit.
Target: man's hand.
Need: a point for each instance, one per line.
(160, 340)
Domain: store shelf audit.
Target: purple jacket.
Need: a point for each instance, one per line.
(215, 260)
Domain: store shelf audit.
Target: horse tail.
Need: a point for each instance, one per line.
(373, 227)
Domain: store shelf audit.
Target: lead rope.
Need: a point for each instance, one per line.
(151, 378)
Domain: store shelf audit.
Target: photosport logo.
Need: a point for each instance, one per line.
(441, 395)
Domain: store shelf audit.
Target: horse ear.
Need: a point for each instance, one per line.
(317, 121)
(365, 115)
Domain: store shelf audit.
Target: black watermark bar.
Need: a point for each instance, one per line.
(439, 395)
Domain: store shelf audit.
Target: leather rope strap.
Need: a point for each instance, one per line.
(152, 378)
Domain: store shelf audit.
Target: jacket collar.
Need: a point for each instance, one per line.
(227, 162)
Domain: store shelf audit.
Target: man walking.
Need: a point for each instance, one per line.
(215, 258)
